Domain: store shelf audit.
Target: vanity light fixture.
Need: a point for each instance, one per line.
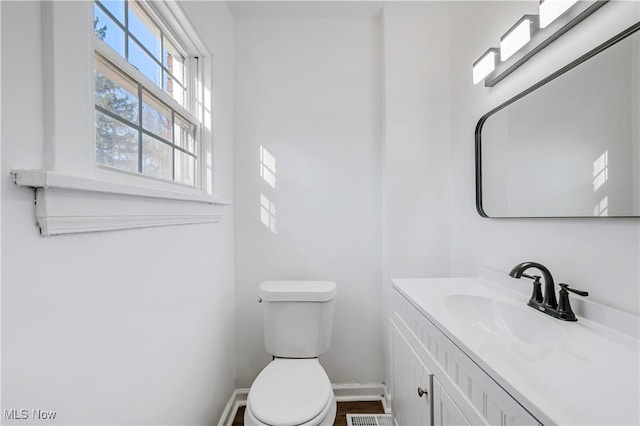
(549, 10)
(517, 36)
(485, 65)
(532, 33)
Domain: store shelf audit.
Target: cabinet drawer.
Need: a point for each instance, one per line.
(478, 396)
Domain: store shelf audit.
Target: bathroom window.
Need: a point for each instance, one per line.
(128, 119)
(145, 109)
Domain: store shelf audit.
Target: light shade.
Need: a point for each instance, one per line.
(549, 10)
(485, 65)
(517, 36)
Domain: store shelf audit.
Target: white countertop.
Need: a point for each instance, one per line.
(590, 378)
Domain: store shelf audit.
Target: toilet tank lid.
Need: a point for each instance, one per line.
(297, 291)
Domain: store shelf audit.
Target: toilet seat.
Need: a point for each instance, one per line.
(326, 417)
(290, 392)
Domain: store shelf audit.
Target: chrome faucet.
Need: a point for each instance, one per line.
(547, 303)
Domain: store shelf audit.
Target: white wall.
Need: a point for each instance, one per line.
(416, 139)
(601, 256)
(125, 327)
(416, 156)
(308, 91)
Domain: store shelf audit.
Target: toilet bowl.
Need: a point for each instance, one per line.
(291, 392)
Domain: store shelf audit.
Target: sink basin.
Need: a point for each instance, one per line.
(520, 323)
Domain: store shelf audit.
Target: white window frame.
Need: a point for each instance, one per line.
(74, 193)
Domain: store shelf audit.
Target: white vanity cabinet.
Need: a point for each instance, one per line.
(459, 392)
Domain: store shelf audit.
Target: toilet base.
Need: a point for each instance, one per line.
(325, 418)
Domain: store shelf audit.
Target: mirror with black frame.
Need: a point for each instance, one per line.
(569, 145)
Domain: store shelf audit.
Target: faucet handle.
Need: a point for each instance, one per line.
(573, 290)
(564, 307)
(536, 295)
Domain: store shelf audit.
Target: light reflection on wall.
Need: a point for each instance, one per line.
(268, 213)
(600, 176)
(267, 167)
(600, 170)
(602, 208)
(268, 174)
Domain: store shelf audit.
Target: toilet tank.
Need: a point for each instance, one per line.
(297, 317)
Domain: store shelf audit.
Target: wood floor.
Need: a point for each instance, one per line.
(344, 408)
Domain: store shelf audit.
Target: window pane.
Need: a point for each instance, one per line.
(141, 60)
(185, 168)
(156, 117)
(157, 158)
(173, 61)
(185, 134)
(174, 89)
(116, 92)
(107, 30)
(115, 7)
(143, 28)
(116, 143)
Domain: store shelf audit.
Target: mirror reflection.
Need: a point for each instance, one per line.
(569, 148)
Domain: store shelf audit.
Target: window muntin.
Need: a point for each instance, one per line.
(136, 129)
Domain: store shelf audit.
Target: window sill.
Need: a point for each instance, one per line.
(69, 204)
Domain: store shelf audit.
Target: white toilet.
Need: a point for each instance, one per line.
(294, 389)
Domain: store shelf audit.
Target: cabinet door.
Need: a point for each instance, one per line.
(409, 406)
(445, 412)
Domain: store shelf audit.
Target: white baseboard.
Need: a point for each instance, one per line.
(386, 401)
(361, 392)
(238, 399)
(343, 391)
